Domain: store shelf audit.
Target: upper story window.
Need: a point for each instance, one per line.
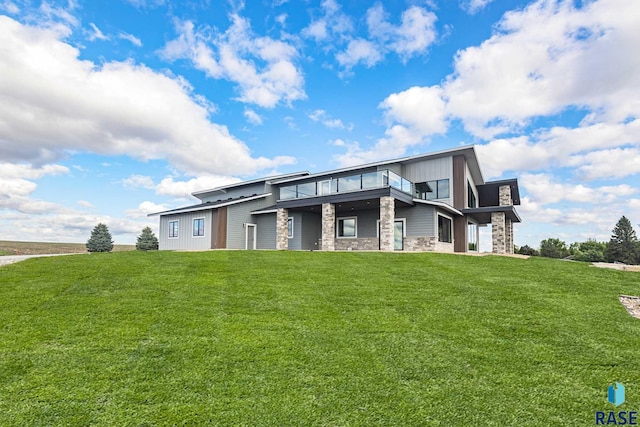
(430, 190)
(198, 227)
(471, 197)
(173, 229)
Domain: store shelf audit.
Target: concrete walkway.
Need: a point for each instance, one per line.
(10, 259)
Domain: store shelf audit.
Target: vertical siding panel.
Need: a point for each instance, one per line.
(185, 240)
(266, 231)
(311, 231)
(240, 214)
(420, 220)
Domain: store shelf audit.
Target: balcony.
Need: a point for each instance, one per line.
(366, 181)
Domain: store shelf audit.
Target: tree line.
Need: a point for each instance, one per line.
(623, 247)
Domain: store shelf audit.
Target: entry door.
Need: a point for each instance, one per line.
(250, 237)
(398, 234)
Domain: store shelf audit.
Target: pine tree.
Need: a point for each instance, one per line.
(623, 246)
(147, 241)
(100, 240)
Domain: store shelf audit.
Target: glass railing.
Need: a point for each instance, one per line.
(364, 181)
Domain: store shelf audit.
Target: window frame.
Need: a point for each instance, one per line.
(198, 229)
(438, 216)
(290, 229)
(404, 226)
(355, 227)
(472, 200)
(170, 234)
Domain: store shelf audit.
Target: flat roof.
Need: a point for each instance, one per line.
(223, 188)
(211, 205)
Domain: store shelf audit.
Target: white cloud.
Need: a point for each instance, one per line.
(86, 204)
(96, 34)
(144, 209)
(130, 38)
(169, 187)
(235, 54)
(51, 102)
(543, 189)
(252, 117)
(333, 24)
(139, 181)
(474, 6)
(614, 163)
(9, 7)
(545, 58)
(359, 50)
(322, 116)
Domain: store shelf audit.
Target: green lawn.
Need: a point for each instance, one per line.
(298, 338)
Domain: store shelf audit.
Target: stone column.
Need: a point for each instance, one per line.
(508, 231)
(505, 200)
(505, 196)
(498, 232)
(282, 230)
(328, 227)
(387, 218)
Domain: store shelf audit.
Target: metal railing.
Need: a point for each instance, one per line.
(364, 181)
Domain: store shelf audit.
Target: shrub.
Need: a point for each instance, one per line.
(527, 250)
(147, 241)
(100, 240)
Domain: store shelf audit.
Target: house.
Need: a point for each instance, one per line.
(429, 202)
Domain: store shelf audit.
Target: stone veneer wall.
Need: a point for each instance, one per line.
(387, 218)
(505, 196)
(508, 236)
(420, 244)
(328, 227)
(282, 229)
(498, 232)
(356, 244)
(443, 246)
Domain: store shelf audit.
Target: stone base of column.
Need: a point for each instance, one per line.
(498, 235)
(328, 227)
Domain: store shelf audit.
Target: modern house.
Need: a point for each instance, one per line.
(429, 202)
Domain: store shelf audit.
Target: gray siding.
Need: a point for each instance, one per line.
(420, 220)
(238, 215)
(233, 193)
(295, 243)
(367, 222)
(393, 167)
(185, 239)
(428, 170)
(266, 231)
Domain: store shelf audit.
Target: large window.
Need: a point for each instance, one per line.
(444, 229)
(471, 198)
(472, 236)
(173, 229)
(290, 228)
(198, 227)
(347, 227)
(430, 190)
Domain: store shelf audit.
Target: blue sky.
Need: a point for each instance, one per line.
(113, 110)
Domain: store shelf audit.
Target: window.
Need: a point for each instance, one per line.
(198, 227)
(431, 190)
(289, 192)
(290, 228)
(472, 236)
(471, 198)
(347, 227)
(173, 229)
(307, 190)
(444, 229)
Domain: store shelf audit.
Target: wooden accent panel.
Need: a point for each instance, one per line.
(460, 234)
(459, 182)
(221, 242)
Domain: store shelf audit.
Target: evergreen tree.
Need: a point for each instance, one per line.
(623, 246)
(147, 241)
(100, 240)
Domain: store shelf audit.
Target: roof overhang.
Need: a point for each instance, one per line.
(223, 189)
(440, 205)
(207, 206)
(483, 215)
(350, 196)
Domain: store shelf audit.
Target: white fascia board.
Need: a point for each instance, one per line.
(440, 205)
(212, 206)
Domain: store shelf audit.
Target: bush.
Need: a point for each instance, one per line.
(100, 240)
(527, 250)
(553, 248)
(147, 241)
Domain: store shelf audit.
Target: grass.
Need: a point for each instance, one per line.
(40, 248)
(297, 338)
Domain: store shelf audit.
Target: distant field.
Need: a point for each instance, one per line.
(37, 248)
(266, 338)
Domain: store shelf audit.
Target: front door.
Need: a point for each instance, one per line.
(250, 236)
(398, 235)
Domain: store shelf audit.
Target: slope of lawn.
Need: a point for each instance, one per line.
(298, 338)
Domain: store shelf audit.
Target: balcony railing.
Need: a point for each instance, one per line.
(364, 181)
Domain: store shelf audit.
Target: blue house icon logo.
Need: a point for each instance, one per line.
(616, 394)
